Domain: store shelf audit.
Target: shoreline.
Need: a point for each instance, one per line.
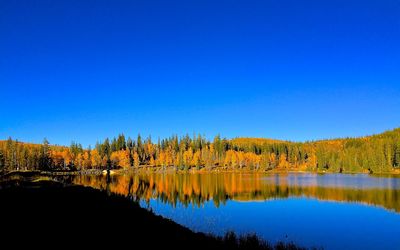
(144, 169)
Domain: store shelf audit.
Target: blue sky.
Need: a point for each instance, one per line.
(295, 70)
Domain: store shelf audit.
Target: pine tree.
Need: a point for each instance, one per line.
(2, 161)
(140, 149)
(45, 160)
(121, 144)
(106, 149)
(396, 157)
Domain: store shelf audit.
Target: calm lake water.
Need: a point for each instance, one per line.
(333, 211)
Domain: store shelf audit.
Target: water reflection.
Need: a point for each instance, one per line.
(198, 188)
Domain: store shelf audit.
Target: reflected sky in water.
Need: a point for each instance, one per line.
(308, 222)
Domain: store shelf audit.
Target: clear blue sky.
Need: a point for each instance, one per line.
(297, 70)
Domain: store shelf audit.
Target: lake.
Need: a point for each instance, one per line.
(333, 211)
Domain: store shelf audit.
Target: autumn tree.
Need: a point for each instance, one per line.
(87, 162)
(120, 158)
(95, 158)
(136, 159)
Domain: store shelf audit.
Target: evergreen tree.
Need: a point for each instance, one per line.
(140, 149)
(106, 149)
(396, 157)
(218, 147)
(114, 145)
(2, 161)
(45, 160)
(121, 144)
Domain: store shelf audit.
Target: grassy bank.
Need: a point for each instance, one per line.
(41, 212)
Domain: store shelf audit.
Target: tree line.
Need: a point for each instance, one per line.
(374, 154)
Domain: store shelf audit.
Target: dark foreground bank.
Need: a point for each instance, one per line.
(50, 214)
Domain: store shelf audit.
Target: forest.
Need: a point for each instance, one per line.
(370, 154)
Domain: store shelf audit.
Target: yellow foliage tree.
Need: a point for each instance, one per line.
(87, 163)
(79, 161)
(152, 161)
(120, 158)
(95, 159)
(283, 163)
(136, 160)
(196, 160)
(187, 157)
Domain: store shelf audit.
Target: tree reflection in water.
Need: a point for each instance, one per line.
(198, 188)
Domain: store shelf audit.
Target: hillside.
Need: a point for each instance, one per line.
(378, 153)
